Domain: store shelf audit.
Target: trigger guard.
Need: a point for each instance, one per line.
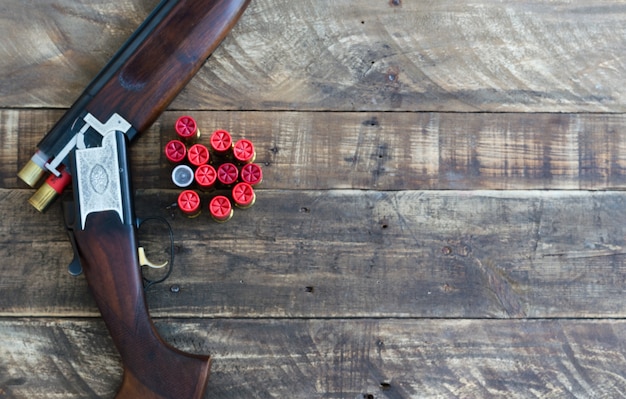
(144, 261)
(147, 282)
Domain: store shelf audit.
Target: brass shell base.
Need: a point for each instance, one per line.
(31, 173)
(43, 197)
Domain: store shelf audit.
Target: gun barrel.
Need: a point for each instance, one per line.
(61, 132)
(143, 77)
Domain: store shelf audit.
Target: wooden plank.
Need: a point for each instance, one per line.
(384, 151)
(532, 56)
(345, 253)
(9, 128)
(60, 358)
(322, 290)
(65, 42)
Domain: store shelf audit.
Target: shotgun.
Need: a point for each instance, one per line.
(88, 147)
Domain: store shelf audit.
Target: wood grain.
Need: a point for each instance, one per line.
(428, 225)
(383, 151)
(450, 254)
(65, 42)
(9, 145)
(531, 56)
(334, 358)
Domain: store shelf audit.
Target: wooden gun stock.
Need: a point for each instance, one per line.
(152, 369)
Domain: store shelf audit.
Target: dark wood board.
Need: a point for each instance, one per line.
(529, 56)
(342, 253)
(379, 150)
(442, 213)
(338, 358)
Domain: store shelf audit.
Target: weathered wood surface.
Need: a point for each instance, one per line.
(318, 55)
(328, 254)
(380, 150)
(336, 358)
(379, 260)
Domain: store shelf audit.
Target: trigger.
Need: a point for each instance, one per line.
(74, 268)
(144, 261)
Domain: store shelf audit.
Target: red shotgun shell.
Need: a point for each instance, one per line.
(59, 183)
(198, 155)
(205, 176)
(244, 151)
(175, 151)
(220, 208)
(221, 141)
(227, 174)
(252, 174)
(243, 195)
(189, 203)
(186, 128)
(52, 188)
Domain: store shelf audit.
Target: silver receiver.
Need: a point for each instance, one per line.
(98, 179)
(115, 122)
